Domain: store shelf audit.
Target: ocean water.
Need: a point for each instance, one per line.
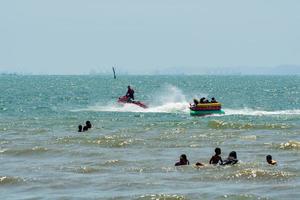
(130, 152)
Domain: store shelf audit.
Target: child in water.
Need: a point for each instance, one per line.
(216, 159)
(231, 160)
(80, 128)
(87, 126)
(183, 161)
(270, 160)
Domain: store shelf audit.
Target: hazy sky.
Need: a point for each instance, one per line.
(75, 36)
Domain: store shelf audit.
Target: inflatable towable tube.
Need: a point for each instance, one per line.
(206, 109)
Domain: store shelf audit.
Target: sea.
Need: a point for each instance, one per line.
(130, 152)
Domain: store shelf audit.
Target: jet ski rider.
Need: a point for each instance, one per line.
(130, 94)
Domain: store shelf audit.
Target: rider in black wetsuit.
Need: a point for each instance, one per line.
(130, 94)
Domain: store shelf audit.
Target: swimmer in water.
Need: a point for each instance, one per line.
(85, 128)
(231, 160)
(183, 161)
(80, 128)
(216, 159)
(270, 160)
(88, 124)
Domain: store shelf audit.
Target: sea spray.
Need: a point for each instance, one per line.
(169, 99)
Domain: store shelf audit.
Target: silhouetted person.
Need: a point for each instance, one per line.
(80, 128)
(231, 160)
(202, 100)
(130, 94)
(85, 128)
(213, 100)
(196, 102)
(88, 124)
(216, 159)
(270, 160)
(183, 161)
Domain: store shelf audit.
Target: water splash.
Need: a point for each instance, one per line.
(169, 99)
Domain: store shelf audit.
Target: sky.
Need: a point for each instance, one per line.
(146, 37)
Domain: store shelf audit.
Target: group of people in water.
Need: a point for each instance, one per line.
(217, 160)
(87, 126)
(204, 100)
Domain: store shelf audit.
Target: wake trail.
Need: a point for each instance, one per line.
(179, 107)
(170, 99)
(252, 112)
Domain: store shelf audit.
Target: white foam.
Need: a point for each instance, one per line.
(251, 112)
(165, 108)
(169, 99)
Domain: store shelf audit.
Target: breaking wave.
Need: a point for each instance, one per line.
(10, 180)
(219, 124)
(27, 151)
(290, 145)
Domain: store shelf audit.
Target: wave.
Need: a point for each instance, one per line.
(10, 180)
(252, 173)
(161, 197)
(242, 196)
(219, 124)
(114, 141)
(290, 145)
(86, 170)
(30, 151)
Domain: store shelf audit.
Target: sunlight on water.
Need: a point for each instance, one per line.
(130, 152)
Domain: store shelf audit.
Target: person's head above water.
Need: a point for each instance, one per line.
(128, 86)
(270, 160)
(217, 151)
(233, 155)
(88, 124)
(80, 128)
(183, 158)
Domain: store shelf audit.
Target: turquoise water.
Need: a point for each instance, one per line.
(130, 152)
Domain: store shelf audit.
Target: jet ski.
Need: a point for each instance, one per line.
(125, 100)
